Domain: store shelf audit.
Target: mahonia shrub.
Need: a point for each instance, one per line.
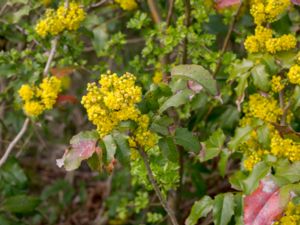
(167, 112)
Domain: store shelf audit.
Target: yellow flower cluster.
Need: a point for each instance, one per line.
(267, 10)
(264, 108)
(256, 43)
(291, 215)
(263, 41)
(294, 74)
(157, 78)
(286, 148)
(254, 158)
(127, 4)
(62, 19)
(277, 84)
(37, 99)
(115, 101)
(285, 42)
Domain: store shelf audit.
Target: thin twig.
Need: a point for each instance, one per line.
(51, 55)
(156, 188)
(226, 40)
(170, 12)
(154, 11)
(187, 24)
(97, 4)
(14, 142)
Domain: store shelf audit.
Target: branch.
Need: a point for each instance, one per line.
(187, 24)
(170, 12)
(154, 11)
(14, 142)
(156, 188)
(51, 56)
(226, 41)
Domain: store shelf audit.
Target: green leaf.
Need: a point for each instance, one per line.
(259, 171)
(168, 148)
(186, 139)
(260, 77)
(180, 98)
(222, 164)
(289, 171)
(241, 135)
(242, 84)
(212, 146)
(198, 74)
(200, 209)
(123, 152)
(223, 208)
(20, 204)
(110, 146)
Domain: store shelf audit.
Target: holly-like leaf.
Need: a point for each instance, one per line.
(265, 205)
(198, 74)
(180, 98)
(168, 148)
(186, 139)
(260, 77)
(200, 209)
(223, 208)
(213, 146)
(289, 171)
(83, 146)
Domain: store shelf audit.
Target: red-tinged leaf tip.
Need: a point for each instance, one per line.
(264, 205)
(63, 99)
(61, 72)
(221, 4)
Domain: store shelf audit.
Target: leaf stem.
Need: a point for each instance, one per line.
(156, 188)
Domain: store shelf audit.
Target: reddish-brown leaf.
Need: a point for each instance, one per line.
(221, 4)
(264, 205)
(63, 99)
(61, 72)
(296, 2)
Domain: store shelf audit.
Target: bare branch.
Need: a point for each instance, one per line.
(15, 141)
(51, 55)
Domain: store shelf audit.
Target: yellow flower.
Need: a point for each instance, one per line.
(26, 92)
(285, 148)
(33, 108)
(264, 108)
(257, 43)
(157, 78)
(55, 22)
(50, 87)
(283, 43)
(277, 84)
(294, 74)
(127, 4)
(254, 158)
(276, 7)
(44, 96)
(115, 101)
(291, 215)
(258, 12)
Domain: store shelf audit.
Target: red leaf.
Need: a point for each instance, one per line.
(63, 99)
(221, 4)
(83, 146)
(264, 205)
(296, 2)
